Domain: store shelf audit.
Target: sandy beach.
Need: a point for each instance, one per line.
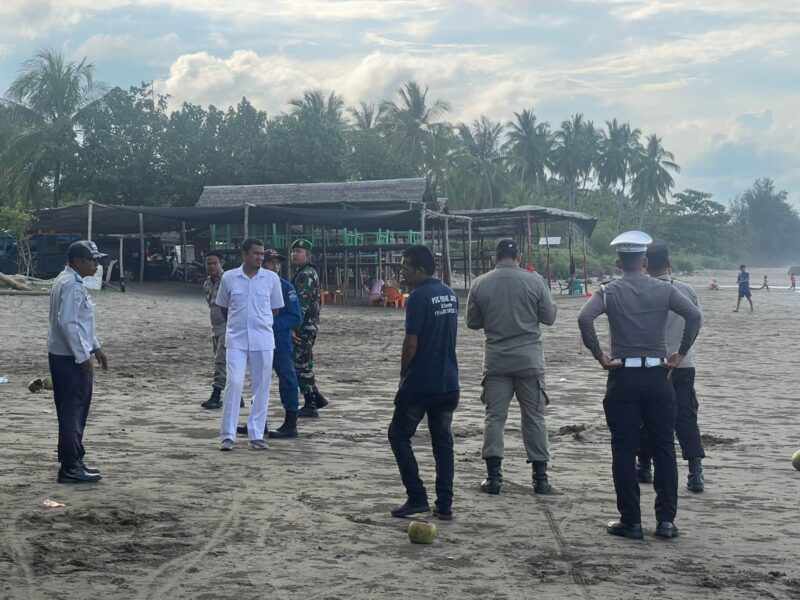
(176, 518)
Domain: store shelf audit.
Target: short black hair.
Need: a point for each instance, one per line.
(250, 242)
(657, 256)
(217, 254)
(742, 266)
(631, 260)
(506, 248)
(421, 256)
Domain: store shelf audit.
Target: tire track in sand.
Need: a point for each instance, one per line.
(172, 573)
(16, 545)
(574, 571)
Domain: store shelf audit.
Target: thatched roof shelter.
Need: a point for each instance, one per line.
(383, 194)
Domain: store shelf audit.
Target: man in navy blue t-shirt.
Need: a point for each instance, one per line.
(428, 383)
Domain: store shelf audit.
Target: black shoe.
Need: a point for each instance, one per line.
(494, 475)
(411, 507)
(215, 401)
(289, 427)
(696, 481)
(665, 529)
(541, 485)
(320, 400)
(633, 532)
(443, 514)
(241, 402)
(644, 475)
(309, 409)
(241, 429)
(77, 475)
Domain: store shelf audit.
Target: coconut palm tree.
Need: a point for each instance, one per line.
(569, 157)
(619, 149)
(652, 181)
(410, 122)
(315, 102)
(529, 149)
(480, 156)
(366, 116)
(48, 100)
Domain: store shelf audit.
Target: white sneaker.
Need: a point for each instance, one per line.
(258, 445)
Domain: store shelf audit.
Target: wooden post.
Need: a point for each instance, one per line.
(446, 253)
(121, 259)
(469, 251)
(422, 227)
(324, 258)
(89, 224)
(529, 238)
(345, 279)
(246, 221)
(547, 241)
(141, 248)
(183, 251)
(585, 268)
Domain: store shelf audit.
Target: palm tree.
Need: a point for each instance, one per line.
(529, 149)
(619, 149)
(48, 99)
(411, 121)
(315, 102)
(570, 156)
(480, 155)
(366, 116)
(652, 180)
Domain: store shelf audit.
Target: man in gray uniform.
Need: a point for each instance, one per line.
(71, 342)
(639, 389)
(509, 303)
(214, 264)
(686, 428)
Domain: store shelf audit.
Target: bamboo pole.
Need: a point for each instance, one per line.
(547, 241)
(469, 251)
(122, 259)
(183, 251)
(89, 224)
(141, 248)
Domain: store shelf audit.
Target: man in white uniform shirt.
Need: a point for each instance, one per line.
(249, 298)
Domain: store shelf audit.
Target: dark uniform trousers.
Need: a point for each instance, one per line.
(409, 409)
(638, 397)
(283, 365)
(72, 391)
(686, 427)
(304, 359)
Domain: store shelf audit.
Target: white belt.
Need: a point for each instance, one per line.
(644, 362)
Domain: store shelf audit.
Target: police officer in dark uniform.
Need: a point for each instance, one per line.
(639, 391)
(306, 283)
(71, 342)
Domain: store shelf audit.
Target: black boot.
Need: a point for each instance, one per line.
(310, 407)
(540, 483)
(215, 401)
(696, 482)
(494, 475)
(320, 400)
(289, 427)
(644, 470)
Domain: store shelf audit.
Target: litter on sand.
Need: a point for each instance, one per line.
(52, 504)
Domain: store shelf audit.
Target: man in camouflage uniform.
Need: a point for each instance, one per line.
(306, 282)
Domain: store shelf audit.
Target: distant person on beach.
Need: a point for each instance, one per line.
(743, 280)
(428, 383)
(510, 304)
(792, 282)
(713, 285)
(765, 284)
(71, 342)
(375, 290)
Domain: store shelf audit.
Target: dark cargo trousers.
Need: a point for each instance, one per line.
(638, 397)
(72, 393)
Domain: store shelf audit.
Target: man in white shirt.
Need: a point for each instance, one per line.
(249, 298)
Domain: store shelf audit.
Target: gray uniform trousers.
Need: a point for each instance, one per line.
(220, 366)
(529, 387)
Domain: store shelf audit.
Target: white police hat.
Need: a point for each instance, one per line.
(631, 242)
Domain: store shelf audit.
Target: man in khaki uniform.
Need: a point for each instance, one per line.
(509, 303)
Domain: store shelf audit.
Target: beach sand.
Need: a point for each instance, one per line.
(176, 518)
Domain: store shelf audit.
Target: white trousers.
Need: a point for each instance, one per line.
(260, 362)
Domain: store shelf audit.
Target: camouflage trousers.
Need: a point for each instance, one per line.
(304, 360)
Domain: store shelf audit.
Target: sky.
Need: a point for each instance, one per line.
(718, 80)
